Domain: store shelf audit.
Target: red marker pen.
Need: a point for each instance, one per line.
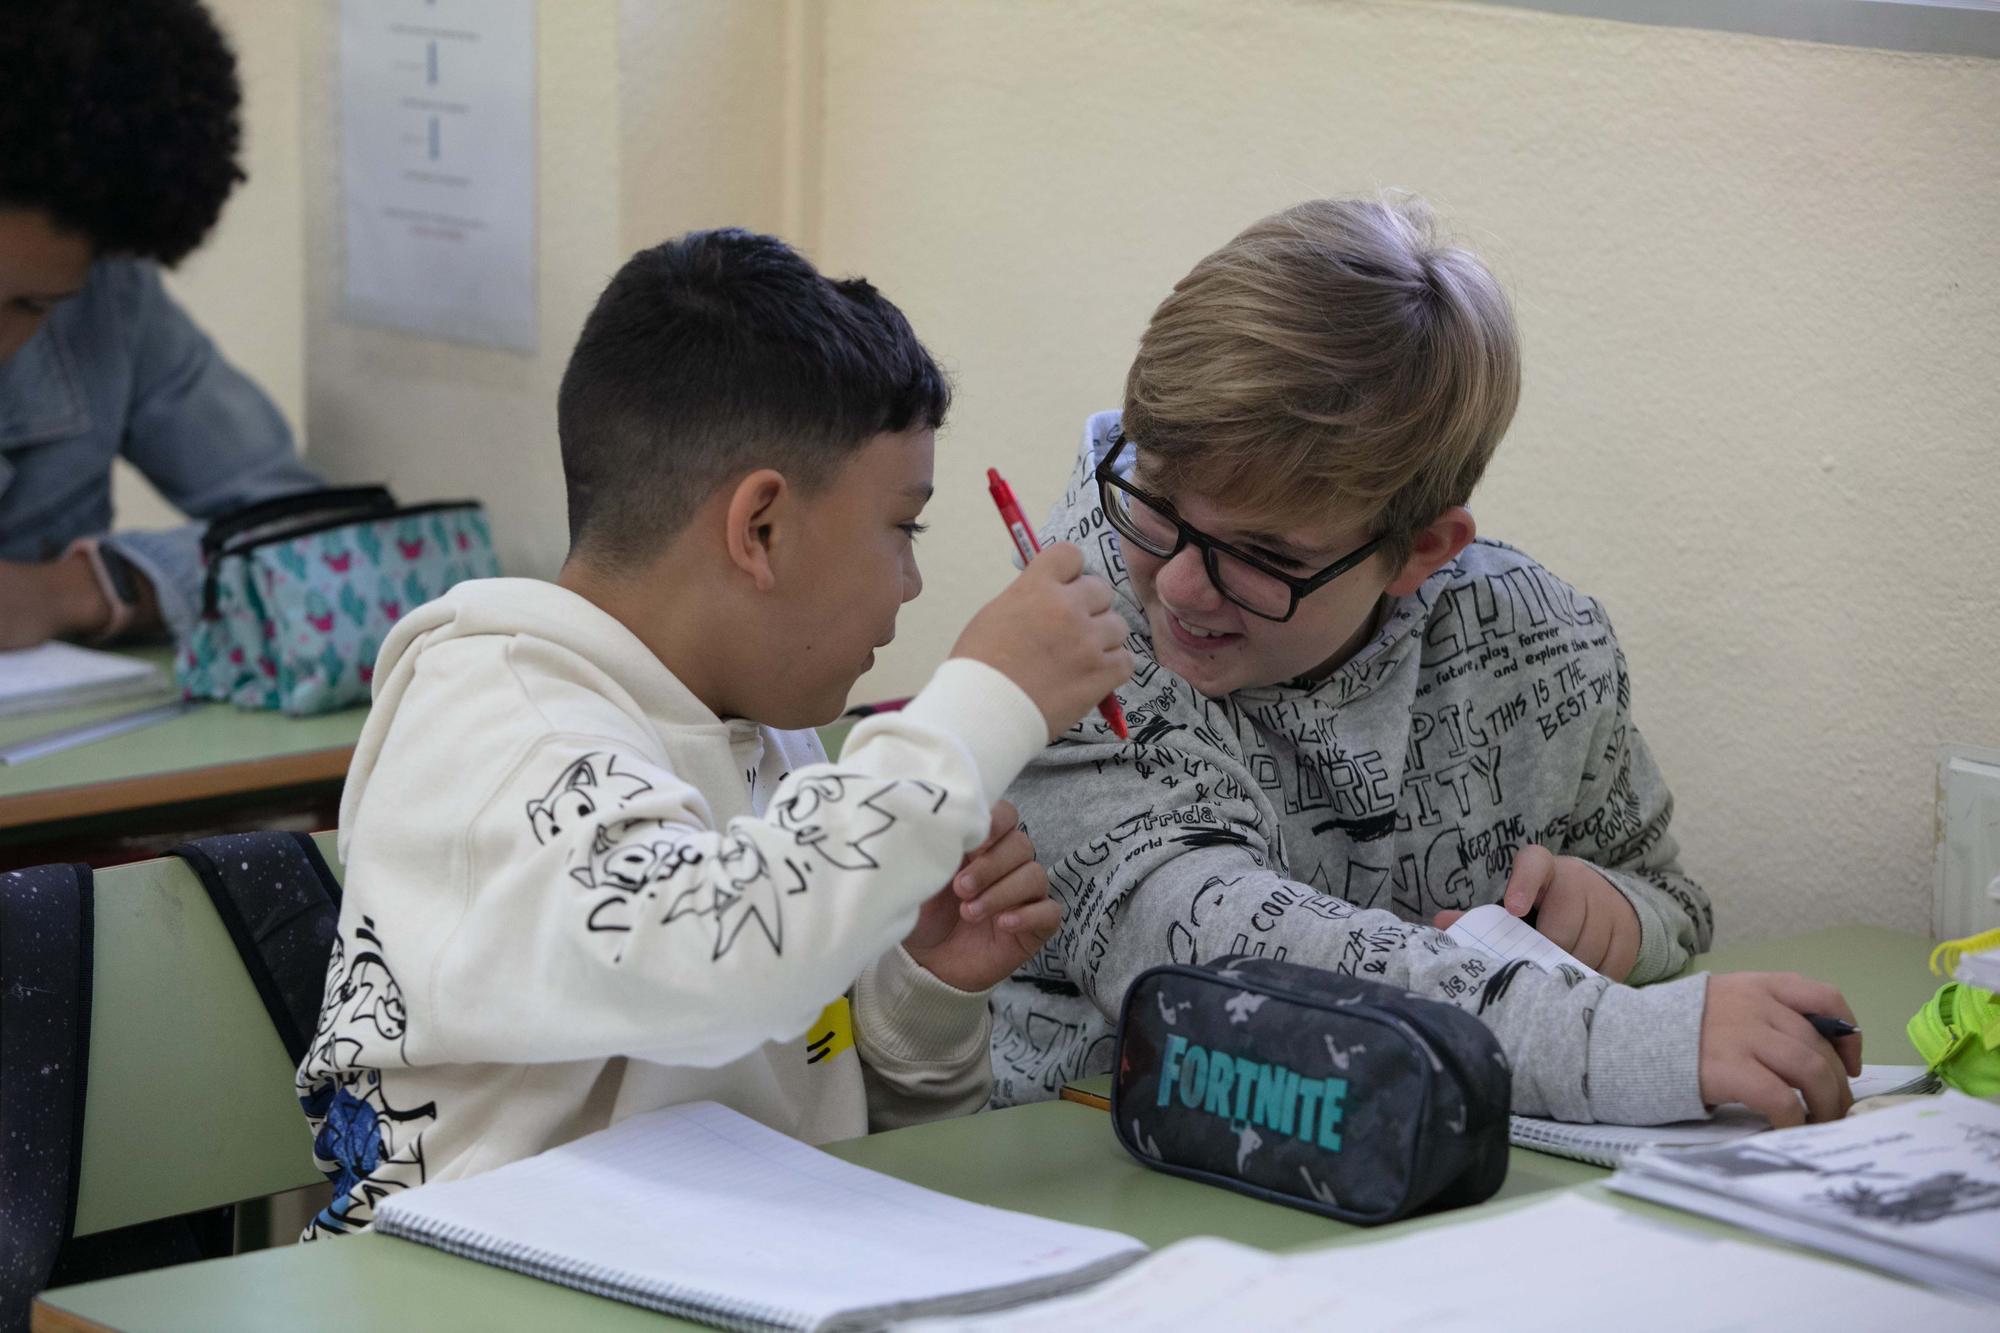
(1025, 543)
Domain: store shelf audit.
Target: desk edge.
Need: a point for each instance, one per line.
(47, 1317)
(174, 787)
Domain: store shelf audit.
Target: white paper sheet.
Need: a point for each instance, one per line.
(1568, 1265)
(437, 116)
(1498, 933)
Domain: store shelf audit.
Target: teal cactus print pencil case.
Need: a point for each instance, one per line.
(299, 592)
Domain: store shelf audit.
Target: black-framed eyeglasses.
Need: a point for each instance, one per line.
(1152, 525)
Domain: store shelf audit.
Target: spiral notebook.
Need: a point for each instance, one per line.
(701, 1212)
(1612, 1145)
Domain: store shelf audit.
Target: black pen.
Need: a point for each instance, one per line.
(1831, 1028)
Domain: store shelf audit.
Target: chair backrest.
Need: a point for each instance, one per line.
(189, 1102)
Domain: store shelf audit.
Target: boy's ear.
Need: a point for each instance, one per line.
(751, 531)
(1437, 546)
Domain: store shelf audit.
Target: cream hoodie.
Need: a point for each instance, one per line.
(573, 894)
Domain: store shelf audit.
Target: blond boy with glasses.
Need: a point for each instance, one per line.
(1353, 719)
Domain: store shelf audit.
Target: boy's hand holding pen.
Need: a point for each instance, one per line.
(1054, 634)
(1028, 548)
(1782, 1044)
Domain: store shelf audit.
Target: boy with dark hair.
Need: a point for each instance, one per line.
(120, 124)
(592, 867)
(1351, 721)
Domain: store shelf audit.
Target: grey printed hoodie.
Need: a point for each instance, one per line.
(1324, 821)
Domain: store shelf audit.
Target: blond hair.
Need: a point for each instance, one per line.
(1337, 358)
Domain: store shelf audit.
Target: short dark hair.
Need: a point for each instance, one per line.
(120, 120)
(713, 355)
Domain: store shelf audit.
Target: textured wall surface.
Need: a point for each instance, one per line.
(1760, 288)
(246, 285)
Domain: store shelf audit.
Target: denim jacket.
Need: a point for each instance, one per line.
(119, 368)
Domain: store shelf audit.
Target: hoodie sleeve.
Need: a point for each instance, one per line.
(598, 875)
(200, 431)
(1157, 855)
(923, 1044)
(1621, 826)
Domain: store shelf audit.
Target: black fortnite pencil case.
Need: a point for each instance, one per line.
(1327, 1092)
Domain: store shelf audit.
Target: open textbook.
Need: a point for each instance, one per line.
(1914, 1189)
(1497, 1273)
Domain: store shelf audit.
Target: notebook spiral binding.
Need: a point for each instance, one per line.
(1573, 1141)
(596, 1279)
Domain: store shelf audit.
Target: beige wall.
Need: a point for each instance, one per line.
(246, 285)
(1757, 281)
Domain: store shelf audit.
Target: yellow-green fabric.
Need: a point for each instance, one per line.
(1958, 1035)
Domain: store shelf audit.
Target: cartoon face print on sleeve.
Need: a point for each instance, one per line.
(637, 871)
(588, 785)
(614, 867)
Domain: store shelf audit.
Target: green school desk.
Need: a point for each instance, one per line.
(1057, 1159)
(213, 769)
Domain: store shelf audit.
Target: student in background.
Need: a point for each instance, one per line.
(119, 125)
(595, 864)
(1352, 720)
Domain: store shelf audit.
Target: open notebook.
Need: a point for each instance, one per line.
(700, 1212)
(62, 675)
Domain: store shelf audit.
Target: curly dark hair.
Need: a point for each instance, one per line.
(119, 119)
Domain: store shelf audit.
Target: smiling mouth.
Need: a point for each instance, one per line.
(1196, 639)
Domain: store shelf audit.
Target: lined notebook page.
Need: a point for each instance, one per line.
(1498, 933)
(700, 1211)
(62, 675)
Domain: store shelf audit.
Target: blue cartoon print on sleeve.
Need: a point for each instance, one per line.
(367, 1147)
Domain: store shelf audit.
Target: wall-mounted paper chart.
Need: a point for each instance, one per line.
(437, 117)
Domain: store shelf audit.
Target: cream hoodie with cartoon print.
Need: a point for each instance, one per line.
(573, 894)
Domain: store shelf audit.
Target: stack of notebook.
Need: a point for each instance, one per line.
(62, 675)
